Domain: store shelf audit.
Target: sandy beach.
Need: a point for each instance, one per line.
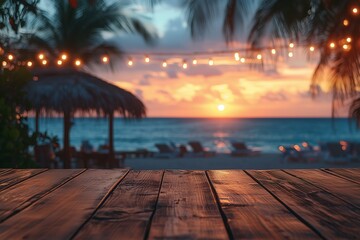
(225, 161)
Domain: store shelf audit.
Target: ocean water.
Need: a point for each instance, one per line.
(215, 133)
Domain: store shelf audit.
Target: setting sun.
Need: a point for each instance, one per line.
(221, 107)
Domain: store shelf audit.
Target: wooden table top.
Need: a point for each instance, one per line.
(220, 204)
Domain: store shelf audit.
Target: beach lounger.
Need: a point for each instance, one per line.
(199, 150)
(240, 149)
(337, 152)
(165, 151)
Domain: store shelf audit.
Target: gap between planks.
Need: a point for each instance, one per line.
(32, 198)
(314, 229)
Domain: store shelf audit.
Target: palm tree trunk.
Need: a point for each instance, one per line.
(112, 159)
(67, 153)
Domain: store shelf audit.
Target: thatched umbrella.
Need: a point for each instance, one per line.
(67, 91)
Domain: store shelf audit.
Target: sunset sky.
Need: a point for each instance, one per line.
(280, 90)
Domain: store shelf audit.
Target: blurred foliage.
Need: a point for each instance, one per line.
(15, 139)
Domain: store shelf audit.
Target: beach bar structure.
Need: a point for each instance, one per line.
(70, 91)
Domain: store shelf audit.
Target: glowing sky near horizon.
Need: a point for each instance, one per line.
(198, 91)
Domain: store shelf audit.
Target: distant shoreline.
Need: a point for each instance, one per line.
(202, 118)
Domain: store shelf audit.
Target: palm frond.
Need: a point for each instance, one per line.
(200, 14)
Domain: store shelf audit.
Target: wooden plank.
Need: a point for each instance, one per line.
(350, 174)
(331, 217)
(17, 175)
(346, 190)
(252, 212)
(127, 212)
(4, 170)
(59, 214)
(22, 195)
(187, 209)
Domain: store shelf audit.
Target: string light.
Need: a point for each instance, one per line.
(59, 62)
(44, 62)
(194, 62)
(78, 62)
(29, 64)
(4, 63)
(147, 59)
(346, 22)
(355, 10)
(64, 56)
(130, 62)
(291, 45)
(291, 54)
(346, 47)
(348, 39)
(211, 62)
(273, 51)
(164, 64)
(184, 65)
(259, 57)
(332, 45)
(242, 60)
(41, 56)
(10, 57)
(105, 59)
(237, 56)
(312, 49)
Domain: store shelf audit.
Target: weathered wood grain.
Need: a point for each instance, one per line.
(4, 170)
(187, 209)
(252, 212)
(20, 196)
(128, 210)
(350, 174)
(331, 217)
(60, 213)
(15, 176)
(347, 191)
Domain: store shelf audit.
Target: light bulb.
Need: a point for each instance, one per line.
(105, 59)
(237, 56)
(78, 62)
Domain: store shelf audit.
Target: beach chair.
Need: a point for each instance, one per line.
(354, 150)
(199, 150)
(289, 154)
(165, 151)
(45, 156)
(240, 149)
(337, 152)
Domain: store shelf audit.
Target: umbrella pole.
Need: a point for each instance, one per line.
(112, 160)
(37, 113)
(67, 126)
